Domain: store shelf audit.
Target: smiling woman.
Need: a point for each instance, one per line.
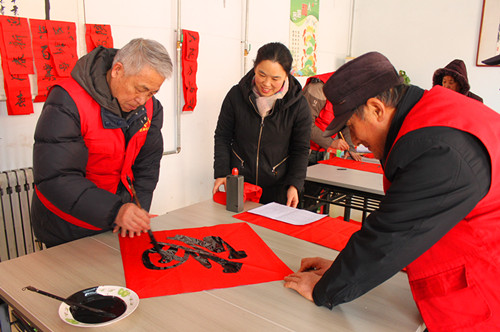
(264, 129)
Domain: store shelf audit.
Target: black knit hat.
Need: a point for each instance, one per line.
(492, 61)
(455, 69)
(354, 83)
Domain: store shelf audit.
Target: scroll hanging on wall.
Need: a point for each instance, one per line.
(44, 62)
(17, 63)
(62, 45)
(191, 40)
(304, 18)
(98, 35)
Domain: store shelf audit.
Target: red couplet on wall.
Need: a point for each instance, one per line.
(189, 68)
(98, 35)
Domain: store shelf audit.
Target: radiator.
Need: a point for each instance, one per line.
(16, 234)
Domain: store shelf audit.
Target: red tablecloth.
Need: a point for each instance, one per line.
(329, 232)
(353, 164)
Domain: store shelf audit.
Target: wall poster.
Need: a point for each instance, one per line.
(304, 18)
(489, 34)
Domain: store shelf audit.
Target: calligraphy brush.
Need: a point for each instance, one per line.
(342, 136)
(71, 303)
(150, 233)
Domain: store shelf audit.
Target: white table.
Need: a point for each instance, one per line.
(96, 260)
(345, 187)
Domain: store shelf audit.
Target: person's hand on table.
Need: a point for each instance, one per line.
(292, 197)
(132, 220)
(219, 182)
(316, 264)
(310, 272)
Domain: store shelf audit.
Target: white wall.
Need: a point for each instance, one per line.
(422, 36)
(415, 37)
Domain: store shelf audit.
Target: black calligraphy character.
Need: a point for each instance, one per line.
(57, 30)
(14, 9)
(192, 37)
(48, 73)
(21, 61)
(18, 41)
(192, 87)
(190, 105)
(21, 100)
(191, 53)
(14, 21)
(100, 30)
(45, 52)
(60, 48)
(64, 66)
(17, 77)
(42, 30)
(201, 250)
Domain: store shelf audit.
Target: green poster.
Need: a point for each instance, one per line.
(304, 18)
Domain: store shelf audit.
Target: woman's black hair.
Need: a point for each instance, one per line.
(275, 52)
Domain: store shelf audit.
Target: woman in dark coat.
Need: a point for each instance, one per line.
(264, 128)
(454, 77)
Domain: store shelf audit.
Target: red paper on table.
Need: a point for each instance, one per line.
(329, 232)
(251, 193)
(62, 45)
(17, 86)
(98, 35)
(198, 257)
(191, 40)
(353, 164)
(44, 62)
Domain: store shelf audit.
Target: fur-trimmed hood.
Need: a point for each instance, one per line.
(455, 69)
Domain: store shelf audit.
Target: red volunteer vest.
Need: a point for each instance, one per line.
(109, 160)
(456, 282)
(326, 116)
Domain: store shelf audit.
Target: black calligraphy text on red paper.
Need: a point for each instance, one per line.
(182, 247)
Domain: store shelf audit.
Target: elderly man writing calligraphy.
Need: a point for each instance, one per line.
(97, 130)
(440, 217)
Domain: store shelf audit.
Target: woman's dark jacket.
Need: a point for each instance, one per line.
(270, 152)
(60, 156)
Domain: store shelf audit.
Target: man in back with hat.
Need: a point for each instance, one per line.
(440, 216)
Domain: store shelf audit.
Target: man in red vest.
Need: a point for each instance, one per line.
(100, 130)
(440, 217)
(322, 115)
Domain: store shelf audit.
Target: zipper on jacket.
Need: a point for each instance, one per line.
(239, 158)
(278, 165)
(258, 142)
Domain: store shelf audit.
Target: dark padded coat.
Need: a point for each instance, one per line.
(60, 157)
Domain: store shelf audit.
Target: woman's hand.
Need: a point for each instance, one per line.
(292, 197)
(219, 182)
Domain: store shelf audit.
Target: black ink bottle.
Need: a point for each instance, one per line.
(234, 191)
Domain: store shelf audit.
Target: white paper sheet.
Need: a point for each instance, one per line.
(287, 214)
